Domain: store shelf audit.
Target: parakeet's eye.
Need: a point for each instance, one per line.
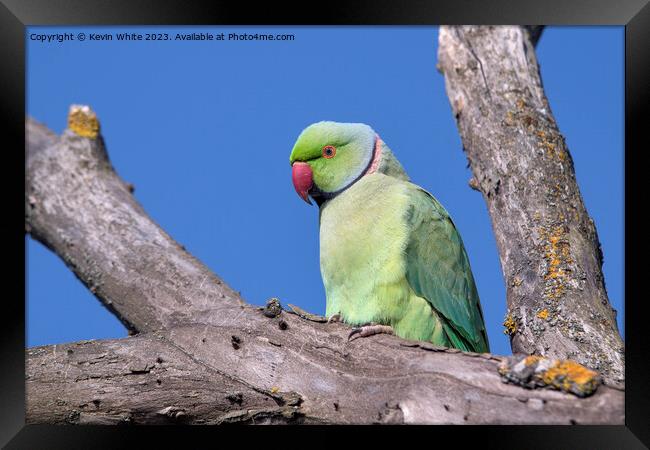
(329, 151)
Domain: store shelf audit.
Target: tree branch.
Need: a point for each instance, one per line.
(549, 249)
(306, 373)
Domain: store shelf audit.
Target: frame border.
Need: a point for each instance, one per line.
(15, 15)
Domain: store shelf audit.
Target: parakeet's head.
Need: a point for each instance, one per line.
(328, 157)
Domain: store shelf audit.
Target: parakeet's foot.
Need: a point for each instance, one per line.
(335, 318)
(369, 330)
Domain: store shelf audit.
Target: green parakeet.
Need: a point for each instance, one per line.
(390, 256)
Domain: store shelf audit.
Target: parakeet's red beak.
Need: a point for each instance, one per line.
(302, 178)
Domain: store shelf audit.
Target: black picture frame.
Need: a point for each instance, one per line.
(15, 15)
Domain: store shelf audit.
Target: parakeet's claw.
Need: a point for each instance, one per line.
(369, 330)
(335, 318)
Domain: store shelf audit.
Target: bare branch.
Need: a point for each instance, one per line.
(305, 373)
(549, 249)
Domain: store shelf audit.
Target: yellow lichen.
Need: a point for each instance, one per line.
(510, 324)
(557, 255)
(550, 149)
(275, 390)
(83, 121)
(538, 371)
(550, 144)
(543, 314)
(570, 376)
(532, 359)
(517, 281)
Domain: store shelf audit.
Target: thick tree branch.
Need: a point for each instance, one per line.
(306, 373)
(549, 249)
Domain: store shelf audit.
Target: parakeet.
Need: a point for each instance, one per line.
(391, 258)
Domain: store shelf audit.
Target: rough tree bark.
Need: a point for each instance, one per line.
(550, 253)
(202, 355)
(252, 371)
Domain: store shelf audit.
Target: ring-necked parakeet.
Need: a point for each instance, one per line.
(390, 255)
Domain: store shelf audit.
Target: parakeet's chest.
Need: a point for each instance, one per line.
(363, 234)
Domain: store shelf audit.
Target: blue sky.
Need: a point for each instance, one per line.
(204, 131)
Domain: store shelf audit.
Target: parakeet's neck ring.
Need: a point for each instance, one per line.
(321, 196)
(376, 157)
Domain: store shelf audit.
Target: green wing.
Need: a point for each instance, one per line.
(438, 270)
